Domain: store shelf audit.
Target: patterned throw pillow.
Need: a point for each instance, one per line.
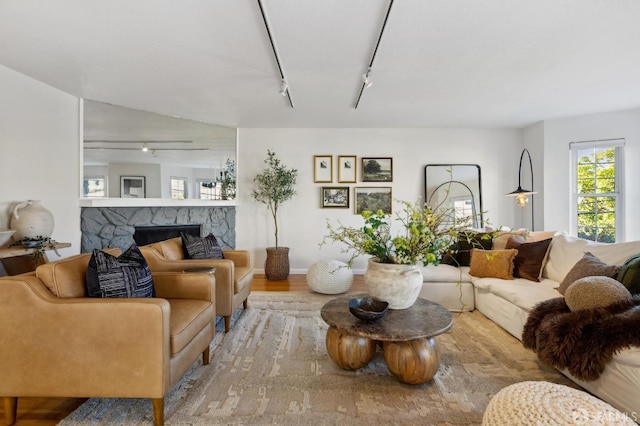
(492, 263)
(127, 275)
(531, 256)
(201, 247)
(588, 266)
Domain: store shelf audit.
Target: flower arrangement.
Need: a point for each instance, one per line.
(427, 235)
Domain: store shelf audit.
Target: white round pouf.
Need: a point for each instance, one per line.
(544, 403)
(330, 277)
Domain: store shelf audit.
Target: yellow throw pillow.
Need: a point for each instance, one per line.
(492, 263)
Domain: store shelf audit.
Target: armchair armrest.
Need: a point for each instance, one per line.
(241, 258)
(178, 285)
(77, 347)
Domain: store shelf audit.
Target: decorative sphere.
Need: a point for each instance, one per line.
(330, 277)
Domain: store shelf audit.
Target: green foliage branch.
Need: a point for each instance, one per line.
(427, 235)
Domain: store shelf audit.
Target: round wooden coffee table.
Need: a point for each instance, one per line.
(407, 337)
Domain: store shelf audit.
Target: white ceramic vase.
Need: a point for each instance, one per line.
(31, 220)
(399, 285)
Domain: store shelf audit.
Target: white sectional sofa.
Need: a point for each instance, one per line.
(508, 303)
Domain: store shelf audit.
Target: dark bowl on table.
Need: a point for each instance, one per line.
(367, 308)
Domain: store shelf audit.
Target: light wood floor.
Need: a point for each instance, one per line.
(49, 411)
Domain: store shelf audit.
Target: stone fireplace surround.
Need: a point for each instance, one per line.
(104, 227)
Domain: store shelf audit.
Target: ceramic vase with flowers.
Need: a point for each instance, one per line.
(393, 274)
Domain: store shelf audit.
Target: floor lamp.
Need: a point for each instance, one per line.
(521, 195)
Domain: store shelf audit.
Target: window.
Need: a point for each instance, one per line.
(207, 190)
(178, 188)
(596, 189)
(94, 186)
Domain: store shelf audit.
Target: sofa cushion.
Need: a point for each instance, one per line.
(188, 318)
(629, 274)
(522, 293)
(594, 292)
(445, 273)
(201, 247)
(588, 266)
(531, 256)
(492, 263)
(500, 240)
(565, 251)
(127, 275)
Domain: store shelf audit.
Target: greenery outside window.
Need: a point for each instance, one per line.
(596, 190)
(178, 188)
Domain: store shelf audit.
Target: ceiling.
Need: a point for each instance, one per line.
(440, 63)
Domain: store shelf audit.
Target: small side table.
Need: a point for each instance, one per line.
(407, 336)
(17, 260)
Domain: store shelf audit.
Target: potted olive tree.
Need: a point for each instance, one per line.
(275, 185)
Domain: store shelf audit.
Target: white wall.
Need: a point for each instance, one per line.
(302, 220)
(39, 156)
(557, 136)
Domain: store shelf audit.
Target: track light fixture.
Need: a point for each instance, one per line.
(366, 78)
(145, 147)
(284, 87)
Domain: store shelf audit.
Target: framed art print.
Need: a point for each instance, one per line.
(378, 169)
(347, 169)
(323, 168)
(335, 196)
(132, 187)
(373, 199)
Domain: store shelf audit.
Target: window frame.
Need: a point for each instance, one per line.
(618, 194)
(185, 190)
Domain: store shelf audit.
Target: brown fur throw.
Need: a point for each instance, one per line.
(583, 341)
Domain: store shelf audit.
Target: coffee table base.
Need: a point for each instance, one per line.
(349, 352)
(413, 361)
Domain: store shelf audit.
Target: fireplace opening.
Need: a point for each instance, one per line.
(144, 235)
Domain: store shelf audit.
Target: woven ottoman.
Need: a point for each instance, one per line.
(330, 277)
(544, 403)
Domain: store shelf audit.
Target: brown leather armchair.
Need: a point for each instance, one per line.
(233, 273)
(56, 342)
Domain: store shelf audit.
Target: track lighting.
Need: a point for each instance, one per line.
(284, 87)
(366, 79)
(145, 147)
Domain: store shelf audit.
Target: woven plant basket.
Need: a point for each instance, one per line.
(276, 267)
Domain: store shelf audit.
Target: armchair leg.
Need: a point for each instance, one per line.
(227, 323)
(10, 409)
(205, 356)
(158, 411)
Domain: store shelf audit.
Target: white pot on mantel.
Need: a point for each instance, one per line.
(399, 285)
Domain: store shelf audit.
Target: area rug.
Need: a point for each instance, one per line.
(272, 368)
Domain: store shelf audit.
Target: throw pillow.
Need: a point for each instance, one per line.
(595, 292)
(531, 256)
(201, 247)
(461, 251)
(629, 274)
(492, 263)
(588, 266)
(127, 275)
(500, 240)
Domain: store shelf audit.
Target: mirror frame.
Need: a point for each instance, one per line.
(427, 197)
